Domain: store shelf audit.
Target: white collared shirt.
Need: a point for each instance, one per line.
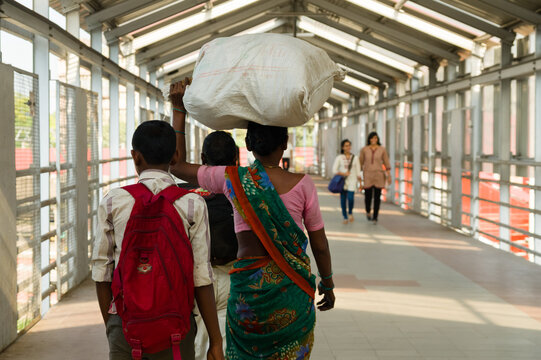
(113, 215)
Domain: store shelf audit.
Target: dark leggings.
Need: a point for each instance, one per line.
(350, 195)
(368, 200)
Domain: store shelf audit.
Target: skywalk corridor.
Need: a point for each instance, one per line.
(407, 288)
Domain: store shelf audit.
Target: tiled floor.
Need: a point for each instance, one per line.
(406, 289)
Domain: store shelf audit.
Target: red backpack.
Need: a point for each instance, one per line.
(153, 286)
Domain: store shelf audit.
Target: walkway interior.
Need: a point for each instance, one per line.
(407, 288)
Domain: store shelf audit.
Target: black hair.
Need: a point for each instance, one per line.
(264, 139)
(156, 141)
(342, 145)
(370, 136)
(219, 148)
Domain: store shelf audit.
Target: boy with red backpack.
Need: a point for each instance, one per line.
(151, 256)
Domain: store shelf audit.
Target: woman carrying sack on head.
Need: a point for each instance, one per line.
(374, 160)
(347, 165)
(271, 309)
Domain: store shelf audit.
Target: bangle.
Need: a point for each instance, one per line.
(323, 287)
(325, 277)
(179, 110)
(180, 132)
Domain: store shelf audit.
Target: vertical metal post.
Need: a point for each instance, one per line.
(130, 124)
(537, 217)
(503, 124)
(114, 122)
(73, 26)
(41, 68)
(161, 112)
(143, 99)
(451, 144)
(391, 147)
(81, 174)
(476, 119)
(432, 82)
(152, 96)
(58, 199)
(415, 147)
(8, 209)
(400, 91)
(96, 79)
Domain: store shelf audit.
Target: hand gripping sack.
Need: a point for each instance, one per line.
(270, 79)
(153, 286)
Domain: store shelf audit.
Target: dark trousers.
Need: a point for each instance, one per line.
(285, 163)
(349, 196)
(119, 349)
(368, 194)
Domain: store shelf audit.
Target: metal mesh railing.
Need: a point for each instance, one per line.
(28, 198)
(66, 191)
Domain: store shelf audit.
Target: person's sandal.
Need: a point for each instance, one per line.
(351, 218)
(368, 217)
(345, 221)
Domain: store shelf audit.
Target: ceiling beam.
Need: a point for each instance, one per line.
(180, 74)
(366, 80)
(387, 30)
(151, 18)
(197, 45)
(111, 12)
(423, 60)
(361, 68)
(515, 10)
(376, 66)
(178, 40)
(463, 17)
(352, 90)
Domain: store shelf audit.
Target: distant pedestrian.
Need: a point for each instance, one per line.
(347, 165)
(376, 170)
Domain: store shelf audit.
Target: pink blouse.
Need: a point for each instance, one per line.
(301, 201)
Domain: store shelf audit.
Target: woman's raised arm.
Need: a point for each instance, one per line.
(181, 169)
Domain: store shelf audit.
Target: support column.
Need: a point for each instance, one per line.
(161, 112)
(8, 209)
(130, 125)
(152, 96)
(143, 99)
(476, 118)
(114, 122)
(400, 91)
(537, 217)
(96, 86)
(503, 144)
(415, 146)
(73, 63)
(452, 152)
(81, 174)
(41, 68)
(432, 82)
(391, 147)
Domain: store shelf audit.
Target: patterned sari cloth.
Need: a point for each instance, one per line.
(270, 312)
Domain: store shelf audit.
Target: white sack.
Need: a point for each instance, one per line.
(270, 79)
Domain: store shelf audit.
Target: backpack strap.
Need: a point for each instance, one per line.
(172, 193)
(139, 192)
(175, 341)
(136, 352)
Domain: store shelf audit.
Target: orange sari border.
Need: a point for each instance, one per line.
(262, 234)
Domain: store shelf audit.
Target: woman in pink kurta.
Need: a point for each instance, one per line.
(375, 167)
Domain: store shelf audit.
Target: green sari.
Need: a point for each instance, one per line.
(270, 311)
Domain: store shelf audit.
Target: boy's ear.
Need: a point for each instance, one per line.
(175, 158)
(137, 157)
